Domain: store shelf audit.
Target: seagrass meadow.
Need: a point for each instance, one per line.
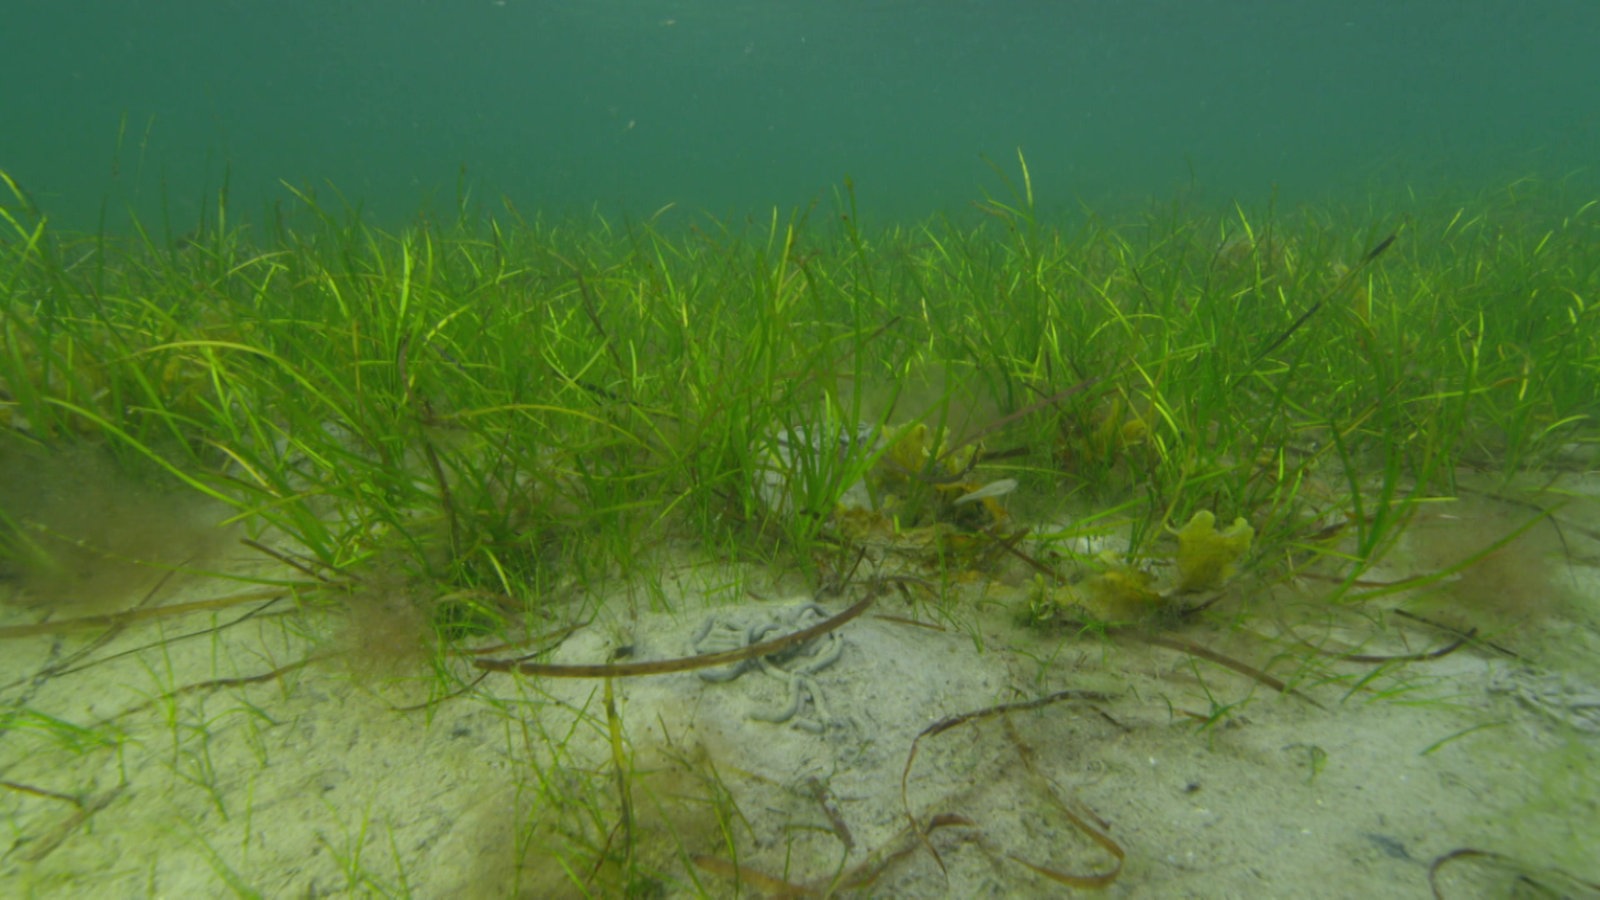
(1198, 551)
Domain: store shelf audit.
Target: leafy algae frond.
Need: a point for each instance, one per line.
(1208, 557)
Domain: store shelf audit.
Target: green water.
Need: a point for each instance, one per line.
(735, 107)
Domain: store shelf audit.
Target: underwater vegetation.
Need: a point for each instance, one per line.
(456, 441)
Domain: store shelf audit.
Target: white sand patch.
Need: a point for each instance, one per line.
(157, 758)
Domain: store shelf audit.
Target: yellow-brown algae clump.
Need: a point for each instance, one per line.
(1208, 557)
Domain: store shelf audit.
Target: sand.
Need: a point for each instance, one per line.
(210, 758)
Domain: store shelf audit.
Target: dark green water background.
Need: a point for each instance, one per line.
(735, 107)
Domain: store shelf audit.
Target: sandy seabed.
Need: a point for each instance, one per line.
(235, 748)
